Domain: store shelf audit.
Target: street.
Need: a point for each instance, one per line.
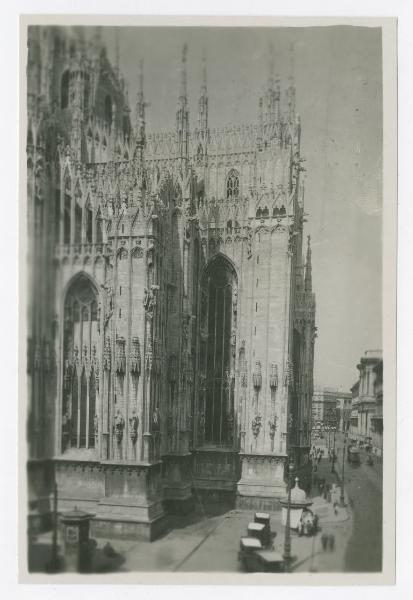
(363, 484)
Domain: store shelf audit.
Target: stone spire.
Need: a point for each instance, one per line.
(269, 103)
(140, 110)
(182, 114)
(308, 284)
(117, 52)
(203, 99)
(291, 88)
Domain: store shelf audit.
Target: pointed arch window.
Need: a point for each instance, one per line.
(233, 185)
(80, 344)
(64, 90)
(217, 353)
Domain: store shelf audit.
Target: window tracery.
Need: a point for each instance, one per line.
(80, 343)
(233, 185)
(217, 358)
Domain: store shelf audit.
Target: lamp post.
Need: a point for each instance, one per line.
(342, 471)
(287, 533)
(334, 450)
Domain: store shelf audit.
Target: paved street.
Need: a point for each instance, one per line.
(363, 485)
(364, 489)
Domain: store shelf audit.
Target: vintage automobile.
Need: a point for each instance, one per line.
(353, 455)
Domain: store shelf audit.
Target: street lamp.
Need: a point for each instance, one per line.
(342, 471)
(287, 532)
(334, 450)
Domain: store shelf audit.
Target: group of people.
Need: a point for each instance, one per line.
(316, 454)
(328, 542)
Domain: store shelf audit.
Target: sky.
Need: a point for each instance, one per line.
(338, 78)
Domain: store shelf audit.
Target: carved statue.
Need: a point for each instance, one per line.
(156, 420)
(133, 427)
(119, 426)
(256, 425)
(273, 426)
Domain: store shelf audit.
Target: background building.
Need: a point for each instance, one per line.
(171, 312)
(367, 401)
(330, 404)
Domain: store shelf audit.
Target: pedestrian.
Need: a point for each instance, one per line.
(331, 542)
(324, 541)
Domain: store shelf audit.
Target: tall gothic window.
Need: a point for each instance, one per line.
(80, 353)
(217, 358)
(233, 185)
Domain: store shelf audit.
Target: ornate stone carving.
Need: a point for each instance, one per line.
(107, 355)
(120, 357)
(135, 357)
(257, 376)
(156, 420)
(288, 373)
(273, 426)
(150, 299)
(133, 427)
(256, 425)
(243, 366)
(273, 377)
(96, 429)
(119, 426)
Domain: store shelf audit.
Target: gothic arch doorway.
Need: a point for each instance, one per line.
(217, 353)
(80, 364)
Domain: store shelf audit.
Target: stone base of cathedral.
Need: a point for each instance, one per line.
(125, 498)
(123, 517)
(177, 486)
(215, 474)
(262, 482)
(40, 495)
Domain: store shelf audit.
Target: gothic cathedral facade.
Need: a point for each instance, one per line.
(171, 318)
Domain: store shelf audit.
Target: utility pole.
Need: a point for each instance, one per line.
(287, 533)
(342, 471)
(334, 450)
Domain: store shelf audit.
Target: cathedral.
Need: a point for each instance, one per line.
(170, 311)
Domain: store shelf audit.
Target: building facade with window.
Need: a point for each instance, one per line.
(171, 312)
(331, 405)
(367, 402)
